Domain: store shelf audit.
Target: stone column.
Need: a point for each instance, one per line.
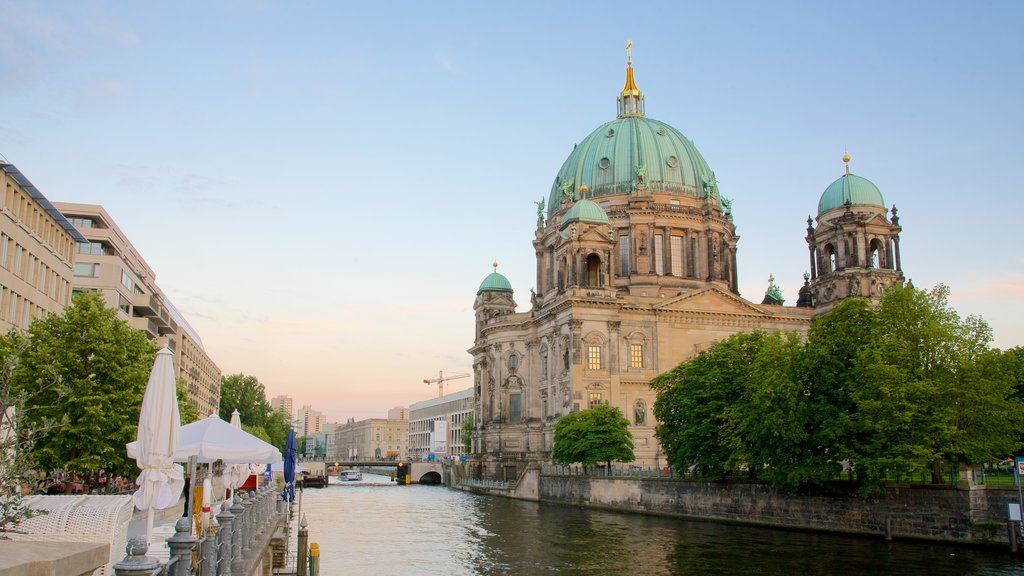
(181, 545)
(135, 562)
(224, 538)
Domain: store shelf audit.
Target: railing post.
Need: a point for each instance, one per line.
(224, 536)
(210, 548)
(237, 562)
(181, 545)
(135, 562)
(247, 531)
(301, 552)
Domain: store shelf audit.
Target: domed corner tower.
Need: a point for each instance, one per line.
(672, 231)
(493, 300)
(855, 250)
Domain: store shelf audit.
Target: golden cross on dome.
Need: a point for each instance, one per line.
(629, 51)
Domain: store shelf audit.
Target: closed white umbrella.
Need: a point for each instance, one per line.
(161, 480)
(236, 474)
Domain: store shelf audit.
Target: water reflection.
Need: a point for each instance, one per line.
(375, 527)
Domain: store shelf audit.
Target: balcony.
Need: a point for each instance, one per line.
(146, 325)
(146, 304)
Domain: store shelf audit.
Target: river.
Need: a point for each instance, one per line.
(374, 527)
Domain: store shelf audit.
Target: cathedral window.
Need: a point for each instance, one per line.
(595, 399)
(624, 248)
(636, 355)
(659, 255)
(876, 254)
(594, 357)
(676, 251)
(593, 270)
(830, 258)
(513, 362)
(515, 407)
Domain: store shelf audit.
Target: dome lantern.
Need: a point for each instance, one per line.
(631, 99)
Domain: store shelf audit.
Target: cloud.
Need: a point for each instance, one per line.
(447, 65)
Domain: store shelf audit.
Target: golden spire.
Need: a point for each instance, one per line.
(495, 264)
(631, 100)
(846, 160)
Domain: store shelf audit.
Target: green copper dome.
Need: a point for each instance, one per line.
(632, 152)
(494, 283)
(585, 211)
(852, 189)
(618, 154)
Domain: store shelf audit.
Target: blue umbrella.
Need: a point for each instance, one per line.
(290, 448)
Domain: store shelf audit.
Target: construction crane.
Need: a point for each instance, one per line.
(441, 379)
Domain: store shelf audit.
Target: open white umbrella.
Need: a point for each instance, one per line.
(161, 480)
(212, 439)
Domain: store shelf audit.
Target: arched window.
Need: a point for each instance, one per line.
(877, 254)
(830, 258)
(593, 270)
(640, 413)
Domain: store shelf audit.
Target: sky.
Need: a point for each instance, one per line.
(320, 187)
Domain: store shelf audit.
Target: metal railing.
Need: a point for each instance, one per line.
(235, 537)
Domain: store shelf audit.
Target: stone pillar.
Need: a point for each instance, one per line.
(224, 537)
(181, 545)
(303, 544)
(209, 549)
(135, 562)
(237, 509)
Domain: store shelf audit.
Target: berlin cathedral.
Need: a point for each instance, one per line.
(636, 272)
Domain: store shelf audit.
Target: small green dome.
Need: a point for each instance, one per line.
(584, 211)
(494, 283)
(852, 189)
(608, 160)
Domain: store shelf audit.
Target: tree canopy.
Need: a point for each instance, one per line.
(893, 388)
(247, 395)
(102, 365)
(598, 434)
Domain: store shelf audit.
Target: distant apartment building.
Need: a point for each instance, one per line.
(37, 253)
(398, 413)
(371, 439)
(309, 421)
(435, 425)
(108, 263)
(283, 404)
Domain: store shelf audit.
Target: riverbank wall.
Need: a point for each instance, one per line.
(969, 515)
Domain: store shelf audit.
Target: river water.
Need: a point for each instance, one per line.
(374, 527)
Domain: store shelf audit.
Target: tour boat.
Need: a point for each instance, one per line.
(350, 475)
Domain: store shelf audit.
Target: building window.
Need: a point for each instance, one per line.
(515, 407)
(93, 248)
(676, 248)
(595, 399)
(636, 355)
(126, 280)
(513, 362)
(624, 248)
(659, 255)
(86, 270)
(594, 357)
(124, 305)
(82, 222)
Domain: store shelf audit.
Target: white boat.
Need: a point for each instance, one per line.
(347, 475)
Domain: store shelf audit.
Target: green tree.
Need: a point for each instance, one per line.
(929, 389)
(247, 395)
(598, 434)
(467, 434)
(17, 462)
(103, 366)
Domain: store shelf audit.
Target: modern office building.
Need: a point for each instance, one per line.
(636, 271)
(371, 439)
(435, 425)
(37, 253)
(398, 413)
(108, 263)
(284, 405)
(309, 421)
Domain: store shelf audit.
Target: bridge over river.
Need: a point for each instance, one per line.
(420, 472)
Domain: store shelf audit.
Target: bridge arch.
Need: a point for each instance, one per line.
(431, 477)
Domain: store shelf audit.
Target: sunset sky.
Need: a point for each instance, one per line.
(322, 186)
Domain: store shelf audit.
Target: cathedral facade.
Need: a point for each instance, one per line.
(636, 272)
